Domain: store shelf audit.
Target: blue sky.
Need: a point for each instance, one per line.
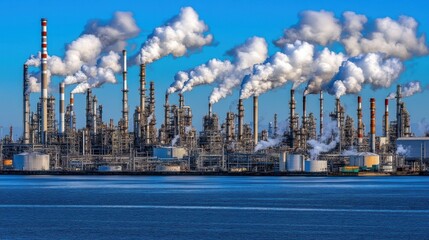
(231, 23)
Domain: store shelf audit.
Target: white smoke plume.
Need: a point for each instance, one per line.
(314, 27)
(423, 127)
(175, 139)
(228, 74)
(370, 69)
(180, 35)
(95, 76)
(293, 64)
(96, 41)
(325, 66)
(402, 151)
(408, 90)
(271, 142)
(327, 142)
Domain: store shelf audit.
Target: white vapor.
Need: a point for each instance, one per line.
(180, 35)
(372, 69)
(402, 151)
(408, 90)
(327, 142)
(271, 142)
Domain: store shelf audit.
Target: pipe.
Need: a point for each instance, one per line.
(255, 119)
(321, 113)
(62, 107)
(386, 118)
(44, 80)
(124, 91)
(372, 102)
(240, 119)
(26, 116)
(359, 123)
(304, 111)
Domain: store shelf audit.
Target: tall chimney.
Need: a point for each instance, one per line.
(94, 115)
(142, 90)
(62, 107)
(292, 118)
(255, 119)
(26, 116)
(386, 118)
(124, 91)
(240, 118)
(399, 129)
(275, 125)
(372, 133)
(304, 111)
(359, 123)
(71, 110)
(338, 112)
(181, 101)
(166, 113)
(88, 108)
(44, 80)
(210, 109)
(321, 113)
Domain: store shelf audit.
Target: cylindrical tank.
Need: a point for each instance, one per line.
(7, 163)
(109, 168)
(282, 162)
(295, 163)
(31, 161)
(168, 168)
(364, 160)
(316, 166)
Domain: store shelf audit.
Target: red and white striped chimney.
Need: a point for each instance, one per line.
(372, 140)
(44, 78)
(62, 106)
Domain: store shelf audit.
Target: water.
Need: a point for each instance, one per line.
(179, 207)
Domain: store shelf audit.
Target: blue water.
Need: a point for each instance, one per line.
(179, 207)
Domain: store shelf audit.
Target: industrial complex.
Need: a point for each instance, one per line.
(311, 144)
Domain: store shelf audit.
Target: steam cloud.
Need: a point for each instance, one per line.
(271, 142)
(228, 74)
(180, 35)
(98, 39)
(327, 142)
(408, 90)
(401, 150)
(372, 69)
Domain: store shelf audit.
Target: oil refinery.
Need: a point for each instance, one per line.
(51, 140)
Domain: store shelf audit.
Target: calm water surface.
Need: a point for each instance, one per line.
(179, 207)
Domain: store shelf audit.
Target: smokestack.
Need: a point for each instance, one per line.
(337, 111)
(94, 115)
(275, 125)
(304, 110)
(359, 123)
(72, 122)
(142, 90)
(255, 119)
(62, 107)
(321, 113)
(398, 112)
(124, 91)
(372, 133)
(11, 133)
(386, 118)
(292, 117)
(26, 102)
(166, 112)
(210, 109)
(44, 80)
(240, 118)
(181, 101)
(88, 108)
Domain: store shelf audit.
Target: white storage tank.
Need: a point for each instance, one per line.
(282, 162)
(109, 168)
(316, 166)
(167, 168)
(169, 152)
(295, 163)
(31, 161)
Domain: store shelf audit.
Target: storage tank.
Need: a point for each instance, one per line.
(295, 163)
(364, 159)
(167, 168)
(109, 168)
(7, 163)
(169, 152)
(316, 166)
(31, 161)
(282, 162)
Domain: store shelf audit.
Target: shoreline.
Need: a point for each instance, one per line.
(273, 174)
